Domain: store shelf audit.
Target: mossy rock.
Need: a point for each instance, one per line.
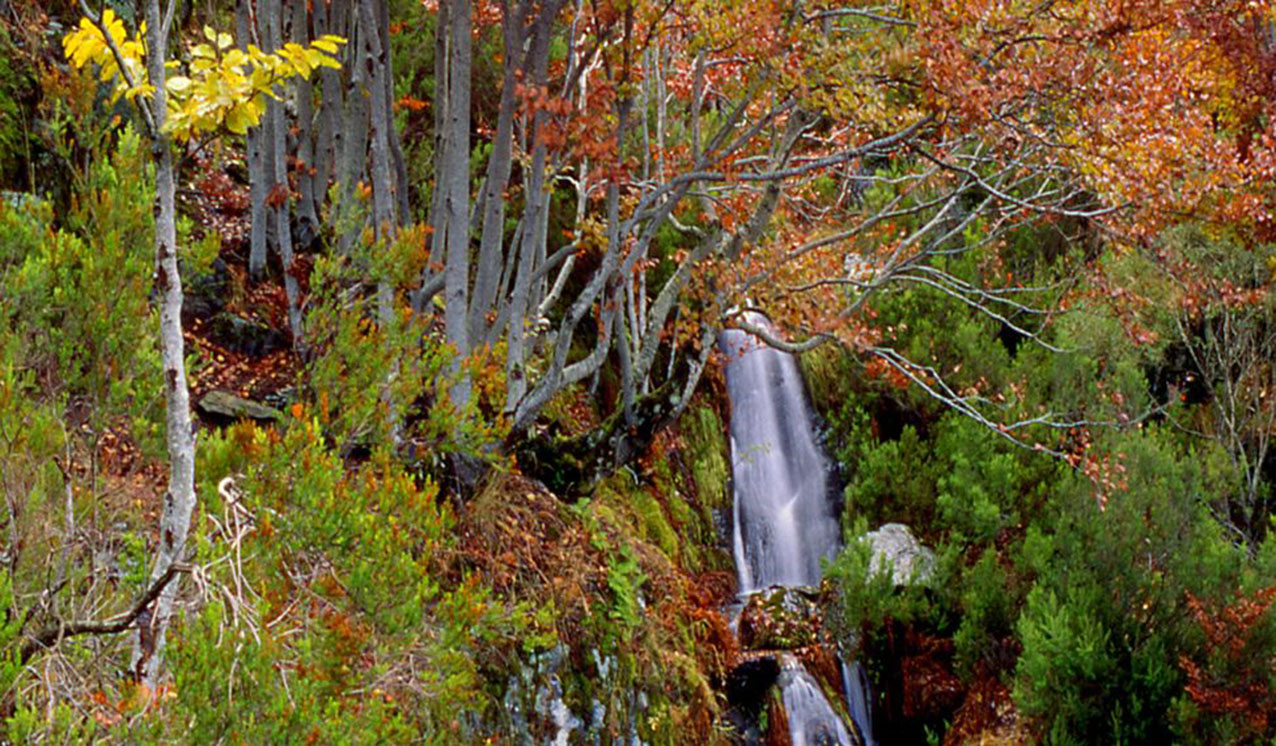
(780, 618)
(705, 436)
(655, 528)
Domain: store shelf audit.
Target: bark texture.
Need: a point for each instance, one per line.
(179, 502)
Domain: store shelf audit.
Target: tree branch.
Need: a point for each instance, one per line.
(53, 634)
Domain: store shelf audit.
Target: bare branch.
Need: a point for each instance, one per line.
(53, 634)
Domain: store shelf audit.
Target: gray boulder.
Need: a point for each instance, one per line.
(895, 546)
(223, 404)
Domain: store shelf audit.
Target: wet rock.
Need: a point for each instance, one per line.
(305, 235)
(811, 715)
(780, 618)
(748, 687)
(895, 546)
(282, 398)
(224, 405)
(245, 337)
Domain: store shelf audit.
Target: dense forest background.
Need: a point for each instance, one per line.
(359, 378)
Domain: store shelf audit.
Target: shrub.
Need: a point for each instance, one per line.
(1105, 624)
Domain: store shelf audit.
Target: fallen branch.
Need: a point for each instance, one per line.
(54, 634)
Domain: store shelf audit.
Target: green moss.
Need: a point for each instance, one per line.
(826, 370)
(654, 526)
(705, 437)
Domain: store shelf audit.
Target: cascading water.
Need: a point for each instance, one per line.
(784, 522)
(812, 720)
(855, 681)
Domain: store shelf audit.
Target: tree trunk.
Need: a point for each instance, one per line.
(179, 502)
(309, 198)
(432, 279)
(352, 165)
(398, 164)
(270, 22)
(258, 142)
(330, 18)
(487, 275)
(453, 178)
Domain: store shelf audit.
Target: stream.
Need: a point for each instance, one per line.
(784, 518)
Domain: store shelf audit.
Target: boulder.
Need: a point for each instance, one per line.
(225, 405)
(749, 686)
(894, 545)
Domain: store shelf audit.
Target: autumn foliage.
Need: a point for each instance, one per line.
(1232, 681)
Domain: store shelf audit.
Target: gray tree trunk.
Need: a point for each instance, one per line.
(270, 25)
(258, 143)
(385, 202)
(488, 272)
(309, 198)
(179, 501)
(398, 165)
(524, 296)
(453, 177)
(352, 166)
(330, 18)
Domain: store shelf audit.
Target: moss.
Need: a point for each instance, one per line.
(655, 528)
(695, 532)
(826, 370)
(705, 437)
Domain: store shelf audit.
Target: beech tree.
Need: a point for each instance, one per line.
(801, 158)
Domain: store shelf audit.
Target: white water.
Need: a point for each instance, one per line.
(812, 720)
(855, 681)
(784, 520)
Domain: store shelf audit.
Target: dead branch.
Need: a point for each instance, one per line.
(53, 634)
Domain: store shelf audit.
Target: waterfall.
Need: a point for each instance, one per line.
(784, 520)
(812, 720)
(855, 681)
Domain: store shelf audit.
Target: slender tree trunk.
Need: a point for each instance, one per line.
(534, 214)
(454, 178)
(352, 167)
(432, 277)
(330, 17)
(308, 197)
(270, 25)
(385, 202)
(258, 143)
(179, 501)
(487, 275)
(397, 164)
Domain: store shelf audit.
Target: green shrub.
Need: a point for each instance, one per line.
(988, 608)
(1105, 625)
(77, 296)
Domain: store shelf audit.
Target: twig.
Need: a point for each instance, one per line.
(54, 634)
